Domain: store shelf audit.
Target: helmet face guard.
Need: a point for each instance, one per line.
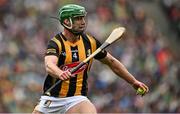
(69, 12)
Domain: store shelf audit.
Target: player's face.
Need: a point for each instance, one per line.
(79, 24)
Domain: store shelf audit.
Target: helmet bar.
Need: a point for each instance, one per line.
(69, 27)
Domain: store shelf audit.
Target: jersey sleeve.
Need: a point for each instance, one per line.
(52, 49)
(101, 54)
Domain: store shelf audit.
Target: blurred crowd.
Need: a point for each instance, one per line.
(26, 26)
(172, 10)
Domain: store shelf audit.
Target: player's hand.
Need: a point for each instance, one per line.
(138, 84)
(65, 75)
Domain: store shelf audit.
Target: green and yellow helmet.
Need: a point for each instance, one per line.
(69, 11)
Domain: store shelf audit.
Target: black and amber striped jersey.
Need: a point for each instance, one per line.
(69, 55)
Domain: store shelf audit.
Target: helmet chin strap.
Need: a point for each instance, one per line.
(69, 28)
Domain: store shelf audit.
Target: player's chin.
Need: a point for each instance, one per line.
(81, 29)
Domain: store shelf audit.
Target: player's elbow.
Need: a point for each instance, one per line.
(115, 70)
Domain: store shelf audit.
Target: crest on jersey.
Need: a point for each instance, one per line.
(88, 52)
(63, 53)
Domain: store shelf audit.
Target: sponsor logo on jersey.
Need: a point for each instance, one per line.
(69, 66)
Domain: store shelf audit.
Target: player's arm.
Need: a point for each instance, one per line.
(51, 60)
(54, 70)
(119, 69)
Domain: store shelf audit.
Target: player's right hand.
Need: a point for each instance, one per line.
(137, 84)
(65, 75)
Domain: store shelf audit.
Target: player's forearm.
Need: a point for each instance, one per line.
(119, 69)
(53, 70)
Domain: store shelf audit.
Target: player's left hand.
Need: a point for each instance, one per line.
(137, 84)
